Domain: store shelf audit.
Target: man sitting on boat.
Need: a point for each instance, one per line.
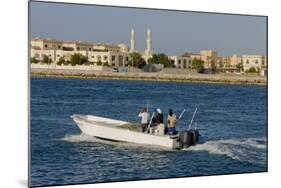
(145, 117)
(172, 119)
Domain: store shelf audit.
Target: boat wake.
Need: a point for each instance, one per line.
(252, 150)
(80, 138)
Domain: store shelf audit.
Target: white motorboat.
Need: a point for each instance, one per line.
(116, 130)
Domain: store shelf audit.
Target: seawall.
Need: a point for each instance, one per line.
(161, 76)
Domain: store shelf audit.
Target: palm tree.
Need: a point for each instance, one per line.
(160, 59)
(136, 60)
(198, 64)
(240, 67)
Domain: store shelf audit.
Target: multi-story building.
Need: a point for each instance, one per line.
(252, 61)
(181, 61)
(224, 61)
(210, 57)
(234, 60)
(47, 44)
(114, 55)
(264, 62)
(192, 55)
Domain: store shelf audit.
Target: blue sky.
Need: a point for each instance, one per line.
(173, 32)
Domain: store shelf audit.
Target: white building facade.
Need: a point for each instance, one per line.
(252, 61)
(113, 55)
(181, 62)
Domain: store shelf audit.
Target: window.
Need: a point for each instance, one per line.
(58, 55)
(256, 62)
(90, 49)
(113, 58)
(93, 56)
(46, 46)
(120, 59)
(99, 58)
(59, 47)
(105, 57)
(179, 61)
(78, 48)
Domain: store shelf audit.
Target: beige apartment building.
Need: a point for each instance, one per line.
(250, 61)
(234, 60)
(225, 64)
(209, 57)
(181, 61)
(184, 61)
(47, 44)
(114, 55)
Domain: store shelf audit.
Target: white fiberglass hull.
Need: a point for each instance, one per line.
(108, 129)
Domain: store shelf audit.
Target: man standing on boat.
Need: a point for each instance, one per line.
(158, 122)
(145, 117)
(172, 119)
(158, 118)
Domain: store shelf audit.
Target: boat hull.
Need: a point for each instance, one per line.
(109, 129)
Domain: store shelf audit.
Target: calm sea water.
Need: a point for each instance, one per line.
(232, 119)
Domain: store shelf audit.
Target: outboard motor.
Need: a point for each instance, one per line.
(186, 138)
(195, 136)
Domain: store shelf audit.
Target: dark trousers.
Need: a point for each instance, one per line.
(172, 131)
(144, 127)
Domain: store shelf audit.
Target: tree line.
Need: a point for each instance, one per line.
(75, 59)
(135, 60)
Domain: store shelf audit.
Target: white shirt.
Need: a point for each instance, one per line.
(144, 117)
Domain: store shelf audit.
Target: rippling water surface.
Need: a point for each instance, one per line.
(232, 119)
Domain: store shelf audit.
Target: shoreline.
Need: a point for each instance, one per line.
(158, 77)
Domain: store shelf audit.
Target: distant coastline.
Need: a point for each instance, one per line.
(161, 76)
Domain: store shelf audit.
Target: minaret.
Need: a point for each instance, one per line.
(133, 41)
(148, 51)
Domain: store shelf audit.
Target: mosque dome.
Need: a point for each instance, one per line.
(123, 47)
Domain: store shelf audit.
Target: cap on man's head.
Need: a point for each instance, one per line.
(159, 110)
